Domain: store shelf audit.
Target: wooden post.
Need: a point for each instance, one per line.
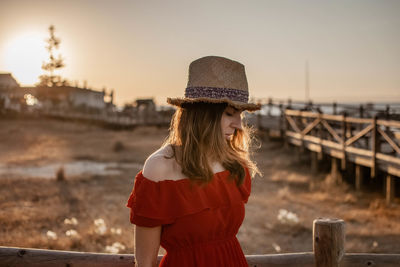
(286, 128)
(390, 189)
(299, 154)
(387, 112)
(360, 126)
(361, 109)
(359, 177)
(374, 147)
(320, 155)
(333, 168)
(344, 159)
(387, 116)
(321, 137)
(328, 242)
(334, 105)
(335, 174)
(314, 162)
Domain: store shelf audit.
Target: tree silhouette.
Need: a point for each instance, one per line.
(53, 63)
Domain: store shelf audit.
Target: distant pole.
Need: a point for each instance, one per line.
(307, 88)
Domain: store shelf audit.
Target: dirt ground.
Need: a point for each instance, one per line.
(284, 202)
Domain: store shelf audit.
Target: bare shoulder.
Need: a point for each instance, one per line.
(161, 166)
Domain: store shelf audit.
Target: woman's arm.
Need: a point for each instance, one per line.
(147, 243)
(147, 239)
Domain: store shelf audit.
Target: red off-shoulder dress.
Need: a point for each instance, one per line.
(199, 223)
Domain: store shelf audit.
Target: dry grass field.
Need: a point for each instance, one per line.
(86, 212)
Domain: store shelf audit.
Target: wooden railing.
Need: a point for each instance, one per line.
(328, 251)
(366, 142)
(361, 110)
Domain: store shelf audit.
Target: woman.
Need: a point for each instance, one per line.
(189, 198)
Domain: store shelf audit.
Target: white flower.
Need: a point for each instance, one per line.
(101, 227)
(115, 248)
(116, 231)
(111, 249)
(276, 247)
(99, 222)
(287, 217)
(51, 235)
(72, 233)
(72, 221)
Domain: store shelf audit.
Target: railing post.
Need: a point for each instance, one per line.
(387, 116)
(303, 120)
(359, 177)
(387, 112)
(390, 189)
(361, 109)
(314, 162)
(374, 146)
(334, 107)
(282, 123)
(285, 129)
(328, 242)
(335, 171)
(310, 105)
(321, 136)
(344, 159)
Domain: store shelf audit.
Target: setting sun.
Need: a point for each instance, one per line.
(23, 56)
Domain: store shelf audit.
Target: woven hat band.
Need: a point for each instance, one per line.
(217, 93)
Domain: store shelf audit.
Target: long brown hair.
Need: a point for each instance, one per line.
(196, 130)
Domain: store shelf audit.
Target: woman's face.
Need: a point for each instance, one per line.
(230, 121)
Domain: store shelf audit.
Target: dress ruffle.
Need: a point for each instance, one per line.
(159, 203)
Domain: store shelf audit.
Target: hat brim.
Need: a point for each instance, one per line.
(239, 105)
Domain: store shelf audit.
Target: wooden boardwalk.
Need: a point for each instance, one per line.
(365, 142)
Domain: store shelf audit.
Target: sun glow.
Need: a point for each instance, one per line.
(24, 56)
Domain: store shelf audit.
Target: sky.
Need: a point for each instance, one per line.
(143, 48)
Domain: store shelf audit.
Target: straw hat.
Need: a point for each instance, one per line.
(216, 80)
